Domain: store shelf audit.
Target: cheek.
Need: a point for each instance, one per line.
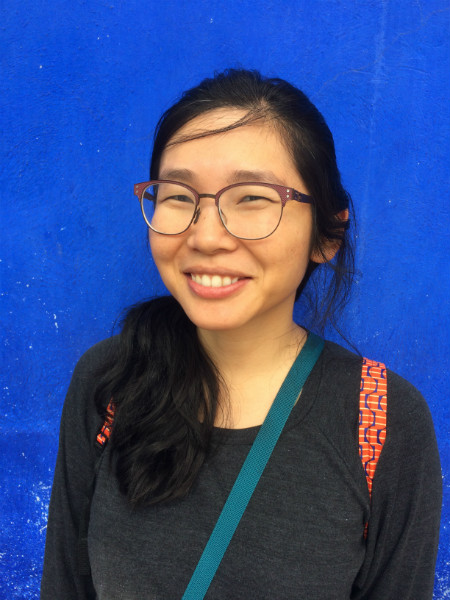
(296, 267)
(294, 256)
(164, 251)
(162, 247)
(286, 261)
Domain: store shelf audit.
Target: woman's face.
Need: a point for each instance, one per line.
(256, 279)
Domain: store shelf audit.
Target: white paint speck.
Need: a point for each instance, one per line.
(40, 66)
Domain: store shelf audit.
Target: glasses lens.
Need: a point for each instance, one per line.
(250, 211)
(168, 207)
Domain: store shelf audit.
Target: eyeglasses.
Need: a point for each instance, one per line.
(249, 211)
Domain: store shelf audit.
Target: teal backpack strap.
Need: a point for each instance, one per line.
(252, 469)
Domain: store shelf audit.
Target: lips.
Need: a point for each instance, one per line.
(215, 286)
(215, 281)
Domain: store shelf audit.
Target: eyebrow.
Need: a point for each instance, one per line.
(183, 175)
(243, 175)
(238, 176)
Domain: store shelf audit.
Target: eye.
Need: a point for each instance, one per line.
(174, 199)
(248, 199)
(255, 202)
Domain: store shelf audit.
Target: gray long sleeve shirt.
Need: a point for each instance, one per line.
(302, 533)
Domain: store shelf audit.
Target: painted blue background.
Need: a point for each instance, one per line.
(83, 86)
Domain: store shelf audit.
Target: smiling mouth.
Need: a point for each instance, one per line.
(215, 281)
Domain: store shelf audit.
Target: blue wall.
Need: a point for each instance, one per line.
(84, 85)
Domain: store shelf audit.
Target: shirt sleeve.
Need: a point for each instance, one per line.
(71, 486)
(406, 502)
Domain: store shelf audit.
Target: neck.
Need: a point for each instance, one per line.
(238, 351)
(253, 365)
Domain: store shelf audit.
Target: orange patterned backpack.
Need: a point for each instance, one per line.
(372, 418)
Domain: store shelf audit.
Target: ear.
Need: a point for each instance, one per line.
(330, 247)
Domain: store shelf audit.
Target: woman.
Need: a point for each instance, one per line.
(245, 203)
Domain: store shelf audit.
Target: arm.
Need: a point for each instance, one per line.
(73, 475)
(406, 503)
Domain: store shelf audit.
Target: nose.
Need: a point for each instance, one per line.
(207, 233)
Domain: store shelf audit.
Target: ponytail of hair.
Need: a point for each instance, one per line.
(165, 390)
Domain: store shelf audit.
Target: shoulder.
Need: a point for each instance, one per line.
(79, 405)
(338, 359)
(97, 356)
(339, 378)
(410, 434)
(405, 401)
(409, 420)
(91, 365)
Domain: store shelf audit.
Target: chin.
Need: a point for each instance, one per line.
(216, 324)
(214, 319)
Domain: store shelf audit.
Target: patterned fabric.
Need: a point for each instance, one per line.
(105, 432)
(372, 418)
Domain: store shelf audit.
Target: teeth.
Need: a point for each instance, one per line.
(214, 280)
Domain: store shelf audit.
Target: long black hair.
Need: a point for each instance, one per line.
(160, 377)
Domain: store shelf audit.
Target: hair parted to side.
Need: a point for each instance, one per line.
(161, 378)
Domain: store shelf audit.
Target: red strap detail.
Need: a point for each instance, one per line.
(372, 417)
(105, 432)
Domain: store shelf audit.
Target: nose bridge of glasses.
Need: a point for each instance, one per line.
(213, 196)
(199, 209)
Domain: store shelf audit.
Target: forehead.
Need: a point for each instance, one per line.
(203, 144)
(210, 121)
